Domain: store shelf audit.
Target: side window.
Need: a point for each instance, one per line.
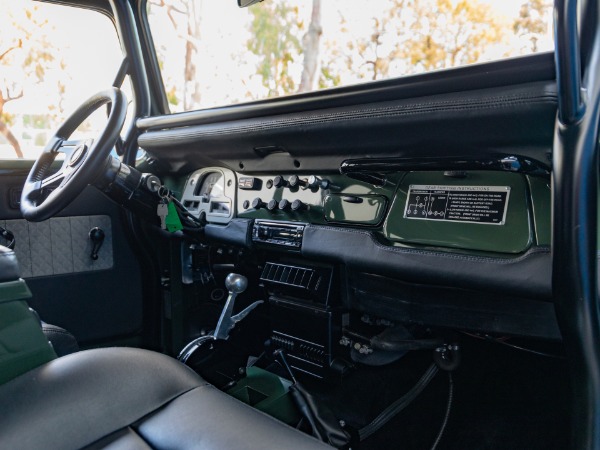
(52, 58)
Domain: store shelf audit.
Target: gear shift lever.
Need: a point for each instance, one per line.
(235, 284)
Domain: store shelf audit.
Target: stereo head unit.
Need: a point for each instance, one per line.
(285, 234)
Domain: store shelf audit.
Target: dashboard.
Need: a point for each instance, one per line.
(466, 249)
(428, 211)
(474, 212)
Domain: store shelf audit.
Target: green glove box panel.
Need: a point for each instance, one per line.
(501, 200)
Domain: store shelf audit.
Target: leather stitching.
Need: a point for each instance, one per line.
(48, 331)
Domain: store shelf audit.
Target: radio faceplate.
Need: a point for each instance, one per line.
(285, 234)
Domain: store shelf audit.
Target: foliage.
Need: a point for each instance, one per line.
(419, 35)
(24, 44)
(275, 28)
(37, 121)
(186, 20)
(532, 21)
(328, 78)
(291, 51)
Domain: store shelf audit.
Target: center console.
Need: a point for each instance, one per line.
(306, 315)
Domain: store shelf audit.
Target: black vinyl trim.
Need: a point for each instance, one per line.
(514, 120)
(501, 162)
(529, 273)
(237, 232)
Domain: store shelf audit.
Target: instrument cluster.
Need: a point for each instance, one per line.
(209, 194)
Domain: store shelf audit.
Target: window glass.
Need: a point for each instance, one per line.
(52, 58)
(213, 53)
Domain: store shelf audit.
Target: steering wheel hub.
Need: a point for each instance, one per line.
(78, 155)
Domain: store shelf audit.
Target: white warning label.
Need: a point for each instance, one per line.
(475, 204)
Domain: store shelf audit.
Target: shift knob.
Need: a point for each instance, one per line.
(235, 283)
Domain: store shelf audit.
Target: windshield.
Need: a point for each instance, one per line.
(213, 53)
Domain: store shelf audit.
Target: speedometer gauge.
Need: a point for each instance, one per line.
(212, 185)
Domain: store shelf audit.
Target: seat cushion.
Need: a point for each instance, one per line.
(131, 398)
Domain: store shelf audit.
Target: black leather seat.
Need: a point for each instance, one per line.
(118, 398)
(131, 399)
(63, 342)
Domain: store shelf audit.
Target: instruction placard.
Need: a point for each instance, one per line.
(475, 204)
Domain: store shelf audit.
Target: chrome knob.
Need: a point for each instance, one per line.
(235, 283)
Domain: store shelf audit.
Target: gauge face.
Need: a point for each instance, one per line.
(213, 185)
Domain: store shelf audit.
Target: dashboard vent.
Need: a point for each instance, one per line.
(299, 277)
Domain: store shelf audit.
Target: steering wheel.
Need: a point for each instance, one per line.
(84, 160)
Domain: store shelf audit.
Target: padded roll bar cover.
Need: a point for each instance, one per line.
(528, 275)
(9, 267)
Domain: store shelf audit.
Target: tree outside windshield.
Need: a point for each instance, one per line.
(52, 58)
(213, 53)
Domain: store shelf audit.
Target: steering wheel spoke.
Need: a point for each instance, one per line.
(53, 146)
(58, 177)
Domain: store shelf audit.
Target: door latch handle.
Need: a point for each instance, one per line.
(97, 237)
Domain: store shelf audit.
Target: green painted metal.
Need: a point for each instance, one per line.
(515, 236)
(541, 202)
(268, 393)
(369, 211)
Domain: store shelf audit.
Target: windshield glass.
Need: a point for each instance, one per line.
(213, 53)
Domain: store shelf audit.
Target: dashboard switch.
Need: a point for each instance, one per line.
(284, 205)
(298, 205)
(257, 203)
(279, 182)
(272, 205)
(296, 181)
(315, 182)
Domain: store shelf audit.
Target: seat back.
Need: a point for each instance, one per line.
(23, 345)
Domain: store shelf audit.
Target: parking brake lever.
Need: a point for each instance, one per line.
(235, 284)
